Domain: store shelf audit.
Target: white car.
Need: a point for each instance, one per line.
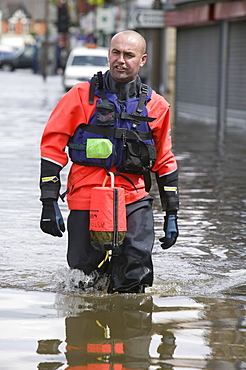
(83, 63)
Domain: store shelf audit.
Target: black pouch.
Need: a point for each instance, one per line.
(105, 113)
(138, 157)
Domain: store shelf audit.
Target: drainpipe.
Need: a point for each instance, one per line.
(222, 79)
(45, 43)
(1, 13)
(157, 36)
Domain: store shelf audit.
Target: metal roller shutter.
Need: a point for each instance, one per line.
(197, 73)
(236, 92)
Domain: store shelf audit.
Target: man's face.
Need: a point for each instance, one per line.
(126, 57)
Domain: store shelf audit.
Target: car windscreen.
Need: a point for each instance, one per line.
(89, 60)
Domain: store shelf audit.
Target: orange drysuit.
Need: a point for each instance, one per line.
(73, 110)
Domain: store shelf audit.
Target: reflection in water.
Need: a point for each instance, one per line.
(227, 337)
(120, 336)
(148, 332)
(109, 331)
(50, 366)
(49, 346)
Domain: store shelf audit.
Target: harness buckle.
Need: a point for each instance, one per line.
(135, 122)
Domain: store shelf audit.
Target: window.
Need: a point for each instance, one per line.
(89, 60)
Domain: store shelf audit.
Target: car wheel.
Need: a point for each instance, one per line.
(7, 67)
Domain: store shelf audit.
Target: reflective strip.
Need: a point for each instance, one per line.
(50, 179)
(95, 367)
(71, 348)
(50, 160)
(99, 348)
(170, 188)
(119, 348)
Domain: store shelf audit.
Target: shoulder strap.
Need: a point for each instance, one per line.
(92, 89)
(144, 90)
(137, 117)
(97, 83)
(101, 87)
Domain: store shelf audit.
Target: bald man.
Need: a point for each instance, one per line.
(127, 54)
(130, 124)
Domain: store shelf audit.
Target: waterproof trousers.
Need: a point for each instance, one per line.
(132, 268)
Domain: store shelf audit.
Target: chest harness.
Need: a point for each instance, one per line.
(117, 133)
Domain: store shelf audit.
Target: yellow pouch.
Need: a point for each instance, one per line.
(98, 148)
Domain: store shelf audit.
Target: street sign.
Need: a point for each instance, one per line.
(147, 18)
(105, 20)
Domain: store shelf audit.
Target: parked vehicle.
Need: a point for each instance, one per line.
(6, 52)
(83, 63)
(19, 59)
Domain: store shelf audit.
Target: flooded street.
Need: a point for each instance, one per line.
(194, 315)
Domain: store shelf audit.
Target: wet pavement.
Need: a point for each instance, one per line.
(194, 315)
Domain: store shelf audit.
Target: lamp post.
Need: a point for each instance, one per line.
(1, 14)
(44, 61)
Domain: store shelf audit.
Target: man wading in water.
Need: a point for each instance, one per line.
(117, 111)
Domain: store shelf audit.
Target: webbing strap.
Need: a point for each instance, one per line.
(92, 90)
(144, 89)
(116, 223)
(96, 82)
(100, 86)
(147, 181)
(118, 133)
(134, 117)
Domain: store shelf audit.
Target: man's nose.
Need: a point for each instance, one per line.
(121, 58)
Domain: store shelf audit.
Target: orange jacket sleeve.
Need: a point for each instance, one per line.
(70, 112)
(160, 109)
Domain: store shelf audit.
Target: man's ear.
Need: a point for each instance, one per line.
(143, 60)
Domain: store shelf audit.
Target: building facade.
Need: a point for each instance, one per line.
(210, 60)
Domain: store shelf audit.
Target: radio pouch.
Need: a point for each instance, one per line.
(105, 113)
(138, 157)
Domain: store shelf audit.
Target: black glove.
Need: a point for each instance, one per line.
(168, 189)
(171, 231)
(51, 219)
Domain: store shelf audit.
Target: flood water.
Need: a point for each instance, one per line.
(194, 315)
